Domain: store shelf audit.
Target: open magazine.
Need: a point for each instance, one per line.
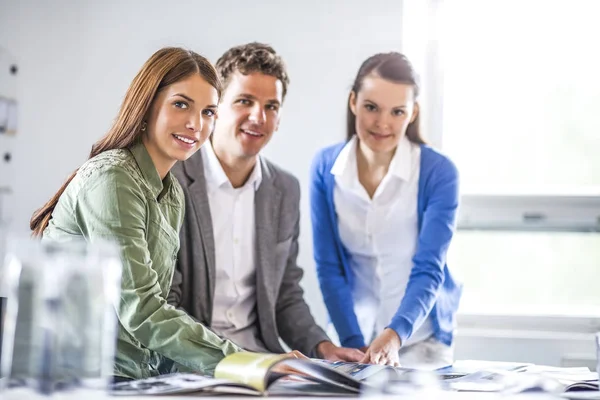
(364, 372)
(252, 374)
(521, 378)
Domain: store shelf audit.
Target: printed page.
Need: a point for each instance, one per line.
(251, 369)
(360, 371)
(322, 373)
(179, 383)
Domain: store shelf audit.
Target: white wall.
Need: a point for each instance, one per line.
(77, 58)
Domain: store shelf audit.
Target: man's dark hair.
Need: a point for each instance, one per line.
(249, 58)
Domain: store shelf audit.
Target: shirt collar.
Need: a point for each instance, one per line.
(345, 165)
(345, 168)
(345, 159)
(157, 186)
(255, 177)
(402, 160)
(216, 175)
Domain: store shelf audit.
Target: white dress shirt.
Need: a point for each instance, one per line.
(381, 235)
(232, 211)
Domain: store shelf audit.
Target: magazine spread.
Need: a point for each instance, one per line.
(258, 374)
(251, 374)
(363, 372)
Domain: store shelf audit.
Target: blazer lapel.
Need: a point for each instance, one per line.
(266, 206)
(194, 168)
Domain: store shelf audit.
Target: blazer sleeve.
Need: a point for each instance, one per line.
(437, 228)
(330, 269)
(295, 323)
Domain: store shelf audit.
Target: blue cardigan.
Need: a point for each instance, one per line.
(431, 289)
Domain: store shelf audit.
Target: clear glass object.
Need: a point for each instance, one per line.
(60, 319)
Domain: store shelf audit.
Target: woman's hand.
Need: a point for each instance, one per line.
(384, 349)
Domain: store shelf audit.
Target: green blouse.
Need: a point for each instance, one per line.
(119, 196)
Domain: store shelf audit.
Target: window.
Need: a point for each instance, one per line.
(528, 272)
(521, 96)
(514, 102)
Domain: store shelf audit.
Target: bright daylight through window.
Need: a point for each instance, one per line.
(521, 95)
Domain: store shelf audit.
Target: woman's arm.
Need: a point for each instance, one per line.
(437, 228)
(112, 206)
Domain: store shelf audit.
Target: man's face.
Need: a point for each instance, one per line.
(249, 113)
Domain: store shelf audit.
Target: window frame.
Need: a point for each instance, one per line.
(491, 212)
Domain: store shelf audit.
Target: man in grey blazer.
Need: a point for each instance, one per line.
(236, 270)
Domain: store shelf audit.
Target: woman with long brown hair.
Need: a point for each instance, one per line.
(383, 212)
(126, 193)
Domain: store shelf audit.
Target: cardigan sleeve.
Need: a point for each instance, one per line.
(437, 228)
(333, 281)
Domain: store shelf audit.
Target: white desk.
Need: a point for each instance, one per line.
(21, 394)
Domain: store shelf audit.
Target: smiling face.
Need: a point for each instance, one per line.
(249, 114)
(180, 119)
(383, 111)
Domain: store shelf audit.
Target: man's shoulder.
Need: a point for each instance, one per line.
(281, 178)
(180, 176)
(189, 170)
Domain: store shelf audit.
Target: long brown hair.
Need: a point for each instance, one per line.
(393, 67)
(163, 68)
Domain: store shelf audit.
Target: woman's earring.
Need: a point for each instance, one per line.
(144, 126)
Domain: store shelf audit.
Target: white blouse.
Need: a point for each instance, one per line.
(381, 235)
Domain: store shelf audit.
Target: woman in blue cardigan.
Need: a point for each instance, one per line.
(383, 208)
